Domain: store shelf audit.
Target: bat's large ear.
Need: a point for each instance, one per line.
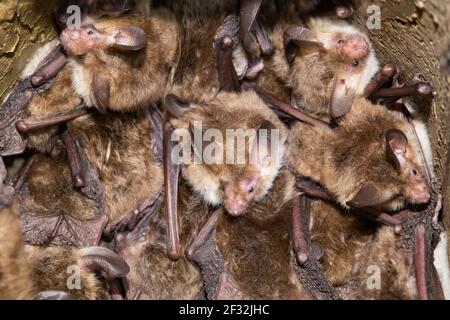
(299, 37)
(107, 262)
(344, 90)
(175, 106)
(396, 145)
(369, 196)
(100, 91)
(127, 38)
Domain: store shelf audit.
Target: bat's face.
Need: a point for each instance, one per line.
(350, 47)
(239, 192)
(107, 34)
(415, 190)
(80, 41)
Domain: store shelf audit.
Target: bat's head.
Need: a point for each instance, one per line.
(80, 41)
(238, 145)
(377, 161)
(349, 48)
(345, 52)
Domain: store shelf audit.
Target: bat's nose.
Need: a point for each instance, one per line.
(420, 194)
(235, 208)
(361, 46)
(69, 34)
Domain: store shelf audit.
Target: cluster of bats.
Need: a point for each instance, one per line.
(353, 198)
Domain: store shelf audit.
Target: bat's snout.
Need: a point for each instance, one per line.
(235, 207)
(419, 194)
(359, 47)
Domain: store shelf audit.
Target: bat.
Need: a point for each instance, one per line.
(132, 65)
(95, 265)
(123, 149)
(326, 65)
(393, 150)
(229, 250)
(415, 191)
(153, 274)
(41, 273)
(257, 15)
(52, 211)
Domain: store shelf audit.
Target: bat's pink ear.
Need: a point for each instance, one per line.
(100, 92)
(369, 196)
(299, 37)
(344, 90)
(107, 262)
(128, 38)
(396, 145)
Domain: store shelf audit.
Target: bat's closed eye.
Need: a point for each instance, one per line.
(341, 41)
(251, 189)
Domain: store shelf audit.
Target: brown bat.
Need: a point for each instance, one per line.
(374, 163)
(256, 15)
(153, 274)
(52, 211)
(115, 63)
(264, 231)
(321, 64)
(234, 185)
(123, 40)
(324, 65)
(414, 190)
(52, 268)
(42, 273)
(124, 150)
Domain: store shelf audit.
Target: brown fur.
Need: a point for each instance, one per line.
(152, 272)
(50, 272)
(196, 77)
(354, 246)
(397, 272)
(50, 188)
(311, 75)
(59, 98)
(119, 148)
(257, 247)
(136, 78)
(353, 153)
(343, 236)
(14, 269)
(228, 111)
(26, 271)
